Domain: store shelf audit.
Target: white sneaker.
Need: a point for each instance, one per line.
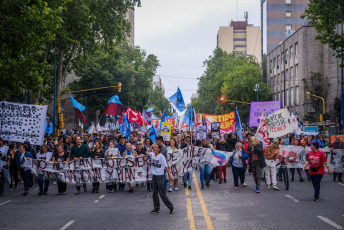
(176, 189)
(245, 184)
(269, 186)
(170, 189)
(275, 187)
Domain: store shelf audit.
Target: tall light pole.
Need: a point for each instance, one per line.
(257, 86)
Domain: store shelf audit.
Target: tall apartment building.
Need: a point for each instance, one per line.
(302, 64)
(279, 19)
(241, 37)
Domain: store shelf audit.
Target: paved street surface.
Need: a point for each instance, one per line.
(217, 207)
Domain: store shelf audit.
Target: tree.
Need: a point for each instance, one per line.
(122, 63)
(232, 76)
(27, 28)
(326, 15)
(158, 100)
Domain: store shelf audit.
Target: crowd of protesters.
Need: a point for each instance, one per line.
(248, 155)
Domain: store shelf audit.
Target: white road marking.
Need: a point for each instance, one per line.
(295, 200)
(330, 222)
(96, 201)
(6, 202)
(340, 183)
(67, 225)
(102, 196)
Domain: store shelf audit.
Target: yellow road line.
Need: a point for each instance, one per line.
(204, 208)
(187, 192)
(190, 215)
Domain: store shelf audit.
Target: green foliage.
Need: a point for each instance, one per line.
(232, 76)
(158, 100)
(122, 63)
(326, 15)
(27, 28)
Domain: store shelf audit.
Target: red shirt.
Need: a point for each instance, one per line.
(316, 159)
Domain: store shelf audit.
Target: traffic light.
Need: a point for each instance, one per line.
(222, 99)
(119, 85)
(61, 121)
(308, 95)
(321, 117)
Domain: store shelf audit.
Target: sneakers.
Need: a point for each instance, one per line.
(316, 199)
(269, 186)
(245, 184)
(185, 185)
(220, 181)
(111, 191)
(257, 190)
(131, 190)
(242, 185)
(45, 193)
(207, 184)
(172, 210)
(189, 187)
(202, 187)
(40, 193)
(170, 189)
(155, 211)
(235, 188)
(302, 180)
(275, 187)
(225, 181)
(176, 189)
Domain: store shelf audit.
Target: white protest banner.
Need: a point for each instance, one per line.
(295, 156)
(201, 132)
(262, 132)
(130, 169)
(279, 123)
(22, 122)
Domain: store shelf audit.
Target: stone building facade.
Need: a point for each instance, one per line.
(302, 64)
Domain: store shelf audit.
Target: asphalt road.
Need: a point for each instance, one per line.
(216, 207)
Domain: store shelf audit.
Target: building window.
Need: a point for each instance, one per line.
(275, 97)
(296, 70)
(282, 78)
(288, 2)
(279, 96)
(287, 97)
(297, 99)
(291, 51)
(288, 14)
(274, 62)
(286, 55)
(291, 72)
(286, 75)
(239, 39)
(292, 96)
(288, 27)
(278, 77)
(236, 46)
(282, 95)
(296, 49)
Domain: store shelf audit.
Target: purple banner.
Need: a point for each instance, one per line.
(258, 107)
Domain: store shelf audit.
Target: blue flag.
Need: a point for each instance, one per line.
(187, 117)
(144, 115)
(152, 133)
(125, 130)
(178, 101)
(238, 123)
(49, 128)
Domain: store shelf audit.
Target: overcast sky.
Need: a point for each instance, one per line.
(182, 34)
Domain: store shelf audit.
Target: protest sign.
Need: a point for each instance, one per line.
(215, 129)
(295, 156)
(22, 122)
(130, 169)
(166, 131)
(262, 132)
(279, 123)
(257, 108)
(201, 132)
(227, 121)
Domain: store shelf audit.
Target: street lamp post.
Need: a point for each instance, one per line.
(257, 86)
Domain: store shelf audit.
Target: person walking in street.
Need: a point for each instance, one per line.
(129, 152)
(97, 153)
(271, 153)
(60, 157)
(222, 145)
(171, 149)
(13, 166)
(238, 163)
(159, 165)
(316, 160)
(338, 144)
(43, 183)
(258, 161)
(79, 152)
(205, 167)
(25, 172)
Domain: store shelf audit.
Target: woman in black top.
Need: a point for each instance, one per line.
(97, 152)
(12, 154)
(60, 157)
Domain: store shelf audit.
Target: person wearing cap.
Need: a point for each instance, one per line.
(46, 155)
(316, 160)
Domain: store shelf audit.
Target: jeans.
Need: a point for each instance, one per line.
(27, 174)
(316, 179)
(238, 173)
(185, 177)
(207, 169)
(43, 184)
(298, 170)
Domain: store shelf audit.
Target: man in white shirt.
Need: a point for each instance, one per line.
(158, 166)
